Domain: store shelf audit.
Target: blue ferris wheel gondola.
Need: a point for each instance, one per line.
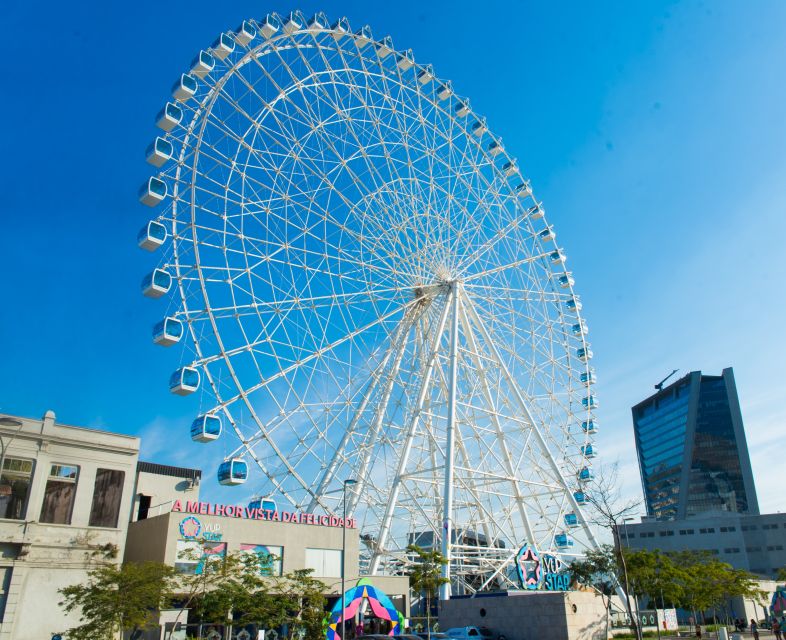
(571, 520)
(184, 381)
(265, 504)
(156, 283)
(151, 236)
(563, 541)
(589, 451)
(206, 428)
(168, 332)
(233, 472)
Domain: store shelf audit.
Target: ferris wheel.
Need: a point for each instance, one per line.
(366, 287)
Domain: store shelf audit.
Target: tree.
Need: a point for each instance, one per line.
(598, 570)
(194, 587)
(655, 575)
(609, 510)
(708, 583)
(235, 590)
(426, 575)
(781, 576)
(118, 598)
(306, 604)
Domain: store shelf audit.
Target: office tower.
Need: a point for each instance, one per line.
(692, 451)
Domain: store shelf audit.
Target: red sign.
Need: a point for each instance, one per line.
(237, 511)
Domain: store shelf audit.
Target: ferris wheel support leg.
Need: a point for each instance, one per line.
(447, 500)
(376, 376)
(395, 488)
(508, 459)
(535, 429)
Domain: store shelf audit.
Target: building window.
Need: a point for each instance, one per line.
(5, 582)
(269, 557)
(15, 487)
(59, 494)
(325, 563)
(144, 506)
(107, 494)
(194, 557)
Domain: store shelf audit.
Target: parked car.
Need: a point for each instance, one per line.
(435, 635)
(473, 633)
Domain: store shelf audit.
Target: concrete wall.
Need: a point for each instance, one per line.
(163, 490)
(156, 539)
(533, 615)
(164, 532)
(756, 543)
(43, 558)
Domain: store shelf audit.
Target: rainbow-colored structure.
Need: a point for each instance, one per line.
(778, 604)
(380, 603)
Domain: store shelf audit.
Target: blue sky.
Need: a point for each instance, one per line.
(653, 132)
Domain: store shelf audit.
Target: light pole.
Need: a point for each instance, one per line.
(7, 421)
(347, 483)
(637, 628)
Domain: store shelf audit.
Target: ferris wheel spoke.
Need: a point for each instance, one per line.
(523, 405)
(501, 437)
(409, 438)
(395, 350)
(318, 354)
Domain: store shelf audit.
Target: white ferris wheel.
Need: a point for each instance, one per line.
(367, 288)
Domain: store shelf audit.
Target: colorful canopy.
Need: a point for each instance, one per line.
(380, 604)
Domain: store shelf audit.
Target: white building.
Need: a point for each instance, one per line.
(65, 498)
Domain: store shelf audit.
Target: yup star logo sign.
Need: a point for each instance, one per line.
(190, 527)
(528, 567)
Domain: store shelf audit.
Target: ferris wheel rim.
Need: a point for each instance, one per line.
(473, 282)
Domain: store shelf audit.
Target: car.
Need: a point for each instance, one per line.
(473, 633)
(435, 635)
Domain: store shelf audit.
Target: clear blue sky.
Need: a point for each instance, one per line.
(654, 133)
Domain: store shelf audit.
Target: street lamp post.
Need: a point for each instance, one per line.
(347, 483)
(638, 628)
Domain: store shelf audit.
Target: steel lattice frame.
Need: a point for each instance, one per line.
(371, 291)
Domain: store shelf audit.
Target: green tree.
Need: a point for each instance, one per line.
(708, 583)
(655, 575)
(305, 601)
(194, 587)
(781, 576)
(425, 575)
(235, 590)
(598, 569)
(118, 598)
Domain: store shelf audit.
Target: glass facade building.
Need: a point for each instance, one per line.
(692, 451)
